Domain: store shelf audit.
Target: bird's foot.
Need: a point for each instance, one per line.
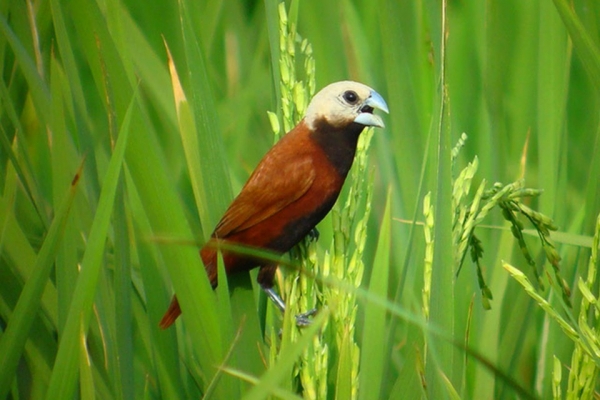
(303, 319)
(313, 234)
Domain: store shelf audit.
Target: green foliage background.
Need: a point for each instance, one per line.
(87, 265)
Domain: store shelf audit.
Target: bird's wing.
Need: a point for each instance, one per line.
(276, 183)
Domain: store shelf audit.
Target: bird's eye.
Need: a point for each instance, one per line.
(350, 96)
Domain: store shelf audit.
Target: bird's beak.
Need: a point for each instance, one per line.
(366, 116)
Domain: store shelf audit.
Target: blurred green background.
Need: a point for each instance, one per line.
(86, 266)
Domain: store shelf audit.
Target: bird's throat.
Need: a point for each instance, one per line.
(339, 145)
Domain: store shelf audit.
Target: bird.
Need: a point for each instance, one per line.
(293, 187)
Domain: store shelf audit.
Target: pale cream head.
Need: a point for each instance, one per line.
(345, 102)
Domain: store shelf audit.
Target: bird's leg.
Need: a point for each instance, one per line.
(265, 280)
(301, 319)
(275, 299)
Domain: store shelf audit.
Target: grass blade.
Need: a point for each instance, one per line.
(440, 357)
(13, 339)
(210, 175)
(64, 374)
(374, 345)
(584, 45)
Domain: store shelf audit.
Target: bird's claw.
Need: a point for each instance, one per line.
(313, 234)
(303, 319)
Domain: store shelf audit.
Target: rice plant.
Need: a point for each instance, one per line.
(127, 128)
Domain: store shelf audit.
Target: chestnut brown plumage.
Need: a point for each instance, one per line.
(294, 186)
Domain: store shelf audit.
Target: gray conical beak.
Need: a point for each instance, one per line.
(366, 116)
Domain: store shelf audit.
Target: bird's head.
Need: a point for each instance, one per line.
(343, 103)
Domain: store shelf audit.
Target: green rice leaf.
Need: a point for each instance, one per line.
(374, 344)
(14, 337)
(64, 375)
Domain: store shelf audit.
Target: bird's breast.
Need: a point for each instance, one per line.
(283, 230)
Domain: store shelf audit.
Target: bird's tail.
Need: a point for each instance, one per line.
(209, 258)
(171, 315)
